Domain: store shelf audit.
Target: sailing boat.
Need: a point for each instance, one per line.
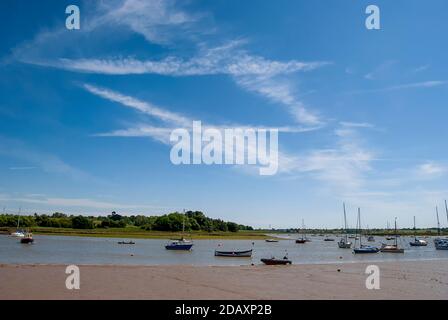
(440, 243)
(392, 248)
(389, 237)
(182, 243)
(344, 243)
(363, 248)
(304, 239)
(417, 242)
(18, 233)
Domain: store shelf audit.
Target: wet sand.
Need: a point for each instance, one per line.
(399, 280)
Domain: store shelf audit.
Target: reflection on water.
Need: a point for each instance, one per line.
(84, 250)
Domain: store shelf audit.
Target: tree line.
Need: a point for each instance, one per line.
(193, 220)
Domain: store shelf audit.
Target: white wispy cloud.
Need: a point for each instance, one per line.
(280, 92)
(170, 119)
(431, 169)
(253, 73)
(341, 168)
(141, 106)
(158, 21)
(380, 70)
(356, 124)
(414, 85)
(226, 59)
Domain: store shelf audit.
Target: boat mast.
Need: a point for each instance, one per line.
(446, 210)
(438, 221)
(303, 229)
(18, 219)
(360, 230)
(396, 241)
(183, 223)
(415, 230)
(345, 223)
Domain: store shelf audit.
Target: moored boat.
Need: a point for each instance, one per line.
(392, 248)
(274, 261)
(18, 233)
(366, 249)
(181, 244)
(441, 243)
(126, 242)
(344, 243)
(28, 238)
(303, 239)
(362, 248)
(271, 240)
(417, 242)
(235, 254)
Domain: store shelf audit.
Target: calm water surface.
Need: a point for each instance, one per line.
(84, 250)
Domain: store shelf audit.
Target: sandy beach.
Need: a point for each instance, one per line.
(403, 280)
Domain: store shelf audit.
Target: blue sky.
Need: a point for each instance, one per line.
(363, 111)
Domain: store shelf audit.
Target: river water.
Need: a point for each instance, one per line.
(89, 250)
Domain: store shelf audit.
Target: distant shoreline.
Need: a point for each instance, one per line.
(136, 233)
(400, 280)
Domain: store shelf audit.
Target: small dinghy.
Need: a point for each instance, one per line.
(328, 239)
(273, 261)
(235, 254)
(271, 240)
(126, 242)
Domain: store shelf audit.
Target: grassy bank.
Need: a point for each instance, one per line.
(138, 233)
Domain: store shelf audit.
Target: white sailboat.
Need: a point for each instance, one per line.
(417, 242)
(18, 233)
(344, 243)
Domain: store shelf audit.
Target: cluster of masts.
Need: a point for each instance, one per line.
(359, 247)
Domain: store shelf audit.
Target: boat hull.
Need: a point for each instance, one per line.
(26, 240)
(418, 244)
(234, 254)
(272, 262)
(365, 250)
(392, 250)
(180, 247)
